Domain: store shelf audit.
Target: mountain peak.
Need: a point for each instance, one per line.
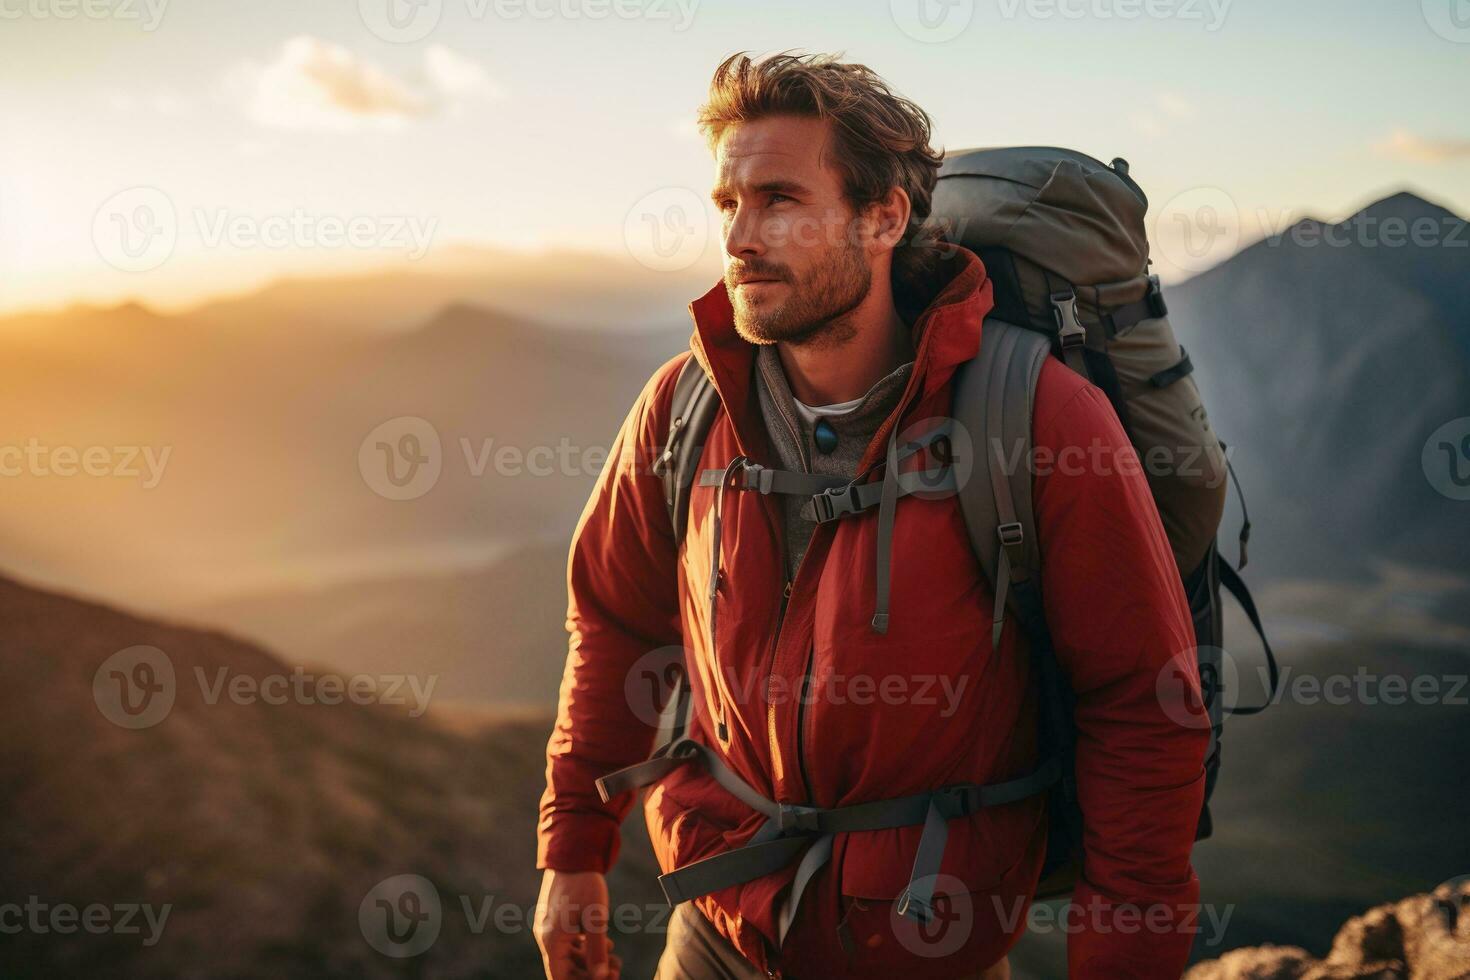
(1408, 206)
(461, 316)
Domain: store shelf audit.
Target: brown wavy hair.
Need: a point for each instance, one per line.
(882, 138)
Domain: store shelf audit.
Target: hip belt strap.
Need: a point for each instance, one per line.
(789, 828)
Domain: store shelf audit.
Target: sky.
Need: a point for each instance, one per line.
(173, 150)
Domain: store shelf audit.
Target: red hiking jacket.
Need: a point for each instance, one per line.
(930, 702)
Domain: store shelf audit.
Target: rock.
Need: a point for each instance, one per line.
(1425, 937)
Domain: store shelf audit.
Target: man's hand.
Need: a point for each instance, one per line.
(571, 927)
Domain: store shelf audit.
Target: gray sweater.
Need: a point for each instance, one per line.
(794, 442)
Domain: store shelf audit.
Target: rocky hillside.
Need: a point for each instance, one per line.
(181, 804)
(1426, 937)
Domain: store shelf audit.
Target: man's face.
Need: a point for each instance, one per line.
(795, 260)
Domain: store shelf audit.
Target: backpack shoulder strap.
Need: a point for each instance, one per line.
(695, 403)
(993, 398)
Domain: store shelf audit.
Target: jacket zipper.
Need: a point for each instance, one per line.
(806, 669)
(779, 520)
(806, 675)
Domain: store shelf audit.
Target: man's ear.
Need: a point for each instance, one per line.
(889, 218)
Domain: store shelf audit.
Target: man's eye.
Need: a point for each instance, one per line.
(780, 197)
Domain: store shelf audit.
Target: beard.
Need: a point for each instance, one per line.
(815, 306)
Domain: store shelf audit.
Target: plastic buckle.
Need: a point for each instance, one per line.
(1011, 535)
(827, 505)
(913, 908)
(956, 801)
(793, 816)
(661, 465)
(1069, 327)
(1156, 306)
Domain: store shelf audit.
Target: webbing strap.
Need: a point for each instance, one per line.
(1120, 319)
(641, 774)
(857, 495)
(887, 503)
(789, 828)
(917, 900)
(1183, 369)
(1235, 585)
(812, 861)
(854, 498)
(754, 860)
(1011, 560)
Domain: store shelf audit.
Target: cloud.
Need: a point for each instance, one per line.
(455, 76)
(1407, 146)
(315, 84)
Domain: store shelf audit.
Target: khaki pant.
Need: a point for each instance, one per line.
(695, 951)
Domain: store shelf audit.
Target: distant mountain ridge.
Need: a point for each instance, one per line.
(1326, 367)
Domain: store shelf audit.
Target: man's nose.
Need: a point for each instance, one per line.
(743, 234)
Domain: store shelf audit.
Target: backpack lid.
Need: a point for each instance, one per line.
(1058, 209)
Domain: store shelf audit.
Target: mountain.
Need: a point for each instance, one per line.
(236, 461)
(586, 290)
(491, 632)
(250, 825)
(589, 290)
(1328, 355)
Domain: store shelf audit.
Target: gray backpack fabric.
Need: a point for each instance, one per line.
(1063, 238)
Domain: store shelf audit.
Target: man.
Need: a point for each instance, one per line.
(851, 661)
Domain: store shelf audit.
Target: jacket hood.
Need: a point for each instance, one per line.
(945, 334)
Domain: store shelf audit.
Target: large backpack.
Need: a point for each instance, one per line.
(1063, 238)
